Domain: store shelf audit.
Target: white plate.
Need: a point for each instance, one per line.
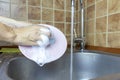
(54, 51)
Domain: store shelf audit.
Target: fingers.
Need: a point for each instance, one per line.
(29, 36)
(35, 35)
(28, 43)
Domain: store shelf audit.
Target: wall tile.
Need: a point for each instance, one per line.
(60, 26)
(18, 11)
(78, 29)
(90, 39)
(34, 2)
(68, 5)
(76, 5)
(46, 22)
(35, 21)
(68, 39)
(90, 2)
(114, 40)
(101, 24)
(101, 8)
(5, 0)
(59, 16)
(47, 3)
(100, 40)
(4, 9)
(91, 12)
(19, 2)
(34, 13)
(114, 6)
(114, 23)
(90, 26)
(47, 14)
(59, 4)
(68, 16)
(68, 28)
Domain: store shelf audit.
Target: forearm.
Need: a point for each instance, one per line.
(20, 33)
(13, 23)
(7, 33)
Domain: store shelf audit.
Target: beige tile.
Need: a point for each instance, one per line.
(59, 16)
(68, 39)
(68, 29)
(114, 40)
(86, 27)
(91, 12)
(20, 2)
(90, 39)
(114, 23)
(34, 13)
(77, 17)
(101, 8)
(114, 6)
(85, 15)
(68, 5)
(34, 2)
(90, 26)
(76, 5)
(47, 14)
(101, 24)
(5, 0)
(77, 29)
(68, 16)
(60, 26)
(90, 2)
(59, 4)
(4, 9)
(47, 3)
(85, 3)
(46, 22)
(34, 22)
(18, 11)
(100, 40)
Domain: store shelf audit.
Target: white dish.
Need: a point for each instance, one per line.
(54, 51)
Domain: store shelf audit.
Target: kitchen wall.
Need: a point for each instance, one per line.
(103, 23)
(102, 17)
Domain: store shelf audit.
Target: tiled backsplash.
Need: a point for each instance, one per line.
(103, 23)
(102, 17)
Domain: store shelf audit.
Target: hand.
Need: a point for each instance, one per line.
(29, 36)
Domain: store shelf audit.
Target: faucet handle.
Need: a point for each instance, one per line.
(79, 40)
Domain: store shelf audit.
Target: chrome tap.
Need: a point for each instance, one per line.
(81, 39)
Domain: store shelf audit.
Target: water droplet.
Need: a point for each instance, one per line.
(41, 64)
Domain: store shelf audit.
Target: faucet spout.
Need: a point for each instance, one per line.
(80, 40)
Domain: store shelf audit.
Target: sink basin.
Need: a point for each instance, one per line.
(86, 65)
(24, 69)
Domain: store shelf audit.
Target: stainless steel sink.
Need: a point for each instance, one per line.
(86, 65)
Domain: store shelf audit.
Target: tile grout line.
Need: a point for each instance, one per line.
(41, 7)
(27, 16)
(107, 25)
(65, 17)
(95, 25)
(54, 12)
(10, 9)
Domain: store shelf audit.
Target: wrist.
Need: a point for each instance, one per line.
(11, 36)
